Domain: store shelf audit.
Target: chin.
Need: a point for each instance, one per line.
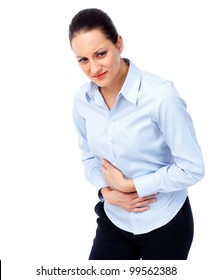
(101, 84)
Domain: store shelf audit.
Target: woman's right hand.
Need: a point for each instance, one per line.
(130, 202)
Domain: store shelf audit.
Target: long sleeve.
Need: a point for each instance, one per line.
(187, 166)
(92, 165)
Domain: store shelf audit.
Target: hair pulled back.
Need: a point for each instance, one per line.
(90, 19)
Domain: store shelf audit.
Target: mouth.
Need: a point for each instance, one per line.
(100, 76)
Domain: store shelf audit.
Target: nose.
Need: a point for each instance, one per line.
(94, 68)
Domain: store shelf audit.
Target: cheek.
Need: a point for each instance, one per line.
(84, 69)
(114, 64)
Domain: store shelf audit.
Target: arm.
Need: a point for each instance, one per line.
(186, 165)
(92, 166)
(115, 178)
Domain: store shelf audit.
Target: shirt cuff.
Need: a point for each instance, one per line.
(97, 180)
(101, 198)
(145, 185)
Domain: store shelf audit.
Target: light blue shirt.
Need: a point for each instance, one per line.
(149, 136)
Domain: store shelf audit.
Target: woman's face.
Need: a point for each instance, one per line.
(98, 57)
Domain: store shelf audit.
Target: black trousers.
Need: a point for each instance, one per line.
(169, 242)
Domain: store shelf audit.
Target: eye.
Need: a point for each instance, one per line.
(82, 60)
(101, 54)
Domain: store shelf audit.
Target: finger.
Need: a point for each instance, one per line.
(106, 164)
(141, 209)
(105, 170)
(133, 195)
(144, 200)
(149, 196)
(145, 203)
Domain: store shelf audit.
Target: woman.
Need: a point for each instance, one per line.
(138, 146)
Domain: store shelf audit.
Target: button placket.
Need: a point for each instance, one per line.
(110, 142)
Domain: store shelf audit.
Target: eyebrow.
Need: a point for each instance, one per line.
(94, 52)
(99, 50)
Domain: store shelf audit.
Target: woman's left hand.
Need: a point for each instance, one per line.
(115, 178)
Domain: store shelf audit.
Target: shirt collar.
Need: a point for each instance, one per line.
(129, 89)
(132, 83)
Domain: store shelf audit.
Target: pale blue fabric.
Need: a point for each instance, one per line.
(149, 136)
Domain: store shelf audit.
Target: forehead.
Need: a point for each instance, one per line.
(89, 42)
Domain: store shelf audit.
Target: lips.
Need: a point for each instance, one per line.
(100, 75)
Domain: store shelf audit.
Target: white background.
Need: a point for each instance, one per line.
(46, 205)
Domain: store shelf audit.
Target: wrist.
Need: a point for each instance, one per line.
(128, 185)
(104, 191)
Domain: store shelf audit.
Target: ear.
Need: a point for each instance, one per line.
(120, 44)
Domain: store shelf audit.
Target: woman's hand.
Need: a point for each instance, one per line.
(122, 192)
(115, 178)
(130, 202)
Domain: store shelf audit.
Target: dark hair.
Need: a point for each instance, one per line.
(89, 19)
